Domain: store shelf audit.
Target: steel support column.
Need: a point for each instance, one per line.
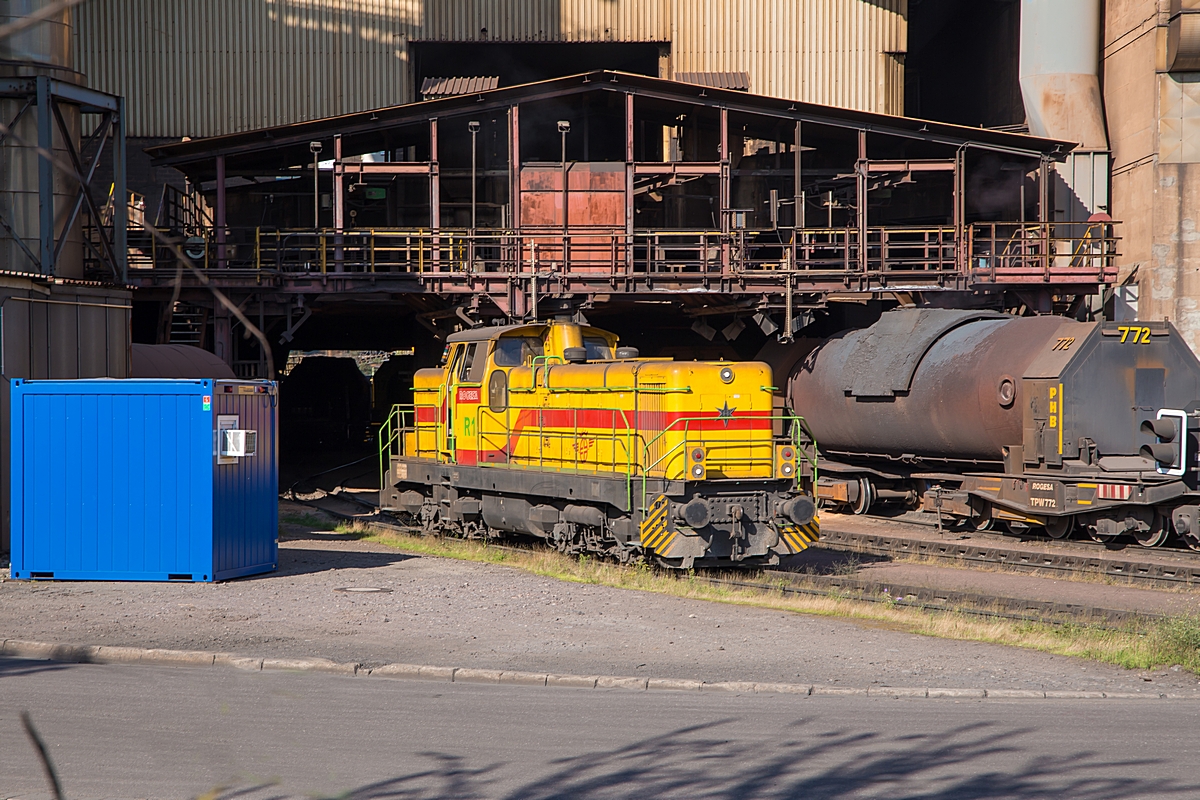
(861, 199)
(435, 181)
(725, 192)
(339, 203)
(960, 245)
(220, 212)
(121, 207)
(798, 220)
(222, 332)
(45, 133)
(629, 174)
(517, 307)
(435, 192)
(514, 167)
(1044, 212)
(339, 200)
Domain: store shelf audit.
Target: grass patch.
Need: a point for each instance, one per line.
(1175, 640)
(310, 521)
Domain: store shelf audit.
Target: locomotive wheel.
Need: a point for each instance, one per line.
(866, 496)
(1060, 527)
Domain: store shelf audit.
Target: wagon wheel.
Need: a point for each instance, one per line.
(983, 519)
(1158, 533)
(866, 496)
(1060, 527)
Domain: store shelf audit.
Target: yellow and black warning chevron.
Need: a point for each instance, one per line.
(655, 531)
(799, 537)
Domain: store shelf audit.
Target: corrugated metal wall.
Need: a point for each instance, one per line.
(205, 67)
(822, 51)
(548, 20)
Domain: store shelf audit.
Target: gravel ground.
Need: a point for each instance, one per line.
(454, 613)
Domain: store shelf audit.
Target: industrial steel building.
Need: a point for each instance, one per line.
(599, 192)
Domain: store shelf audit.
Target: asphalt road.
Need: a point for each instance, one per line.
(128, 731)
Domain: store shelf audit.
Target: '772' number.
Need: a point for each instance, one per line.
(1134, 334)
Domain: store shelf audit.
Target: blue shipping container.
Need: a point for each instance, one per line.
(144, 480)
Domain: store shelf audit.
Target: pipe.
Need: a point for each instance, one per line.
(1059, 71)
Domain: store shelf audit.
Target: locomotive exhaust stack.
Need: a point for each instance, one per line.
(1036, 422)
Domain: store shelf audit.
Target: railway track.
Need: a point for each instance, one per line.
(912, 540)
(1156, 568)
(347, 506)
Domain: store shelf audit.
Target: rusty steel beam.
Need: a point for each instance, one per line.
(677, 168)
(923, 165)
(391, 168)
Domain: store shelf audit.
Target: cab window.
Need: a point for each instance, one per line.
(470, 369)
(516, 351)
(456, 360)
(597, 349)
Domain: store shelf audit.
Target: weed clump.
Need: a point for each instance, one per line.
(1176, 640)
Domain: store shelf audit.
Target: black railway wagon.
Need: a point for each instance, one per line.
(1038, 422)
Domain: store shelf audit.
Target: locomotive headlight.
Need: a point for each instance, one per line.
(697, 454)
(697, 471)
(726, 375)
(787, 470)
(787, 454)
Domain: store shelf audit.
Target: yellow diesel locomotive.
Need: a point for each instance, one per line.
(551, 430)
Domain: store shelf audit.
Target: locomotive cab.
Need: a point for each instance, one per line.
(552, 430)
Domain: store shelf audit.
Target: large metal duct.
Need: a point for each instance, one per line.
(42, 49)
(1060, 63)
(1060, 86)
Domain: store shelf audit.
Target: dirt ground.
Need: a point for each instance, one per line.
(454, 613)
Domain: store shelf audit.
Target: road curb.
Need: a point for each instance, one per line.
(104, 654)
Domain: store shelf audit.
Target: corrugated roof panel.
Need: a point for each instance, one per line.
(739, 81)
(449, 87)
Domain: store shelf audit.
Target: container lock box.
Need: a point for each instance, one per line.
(151, 480)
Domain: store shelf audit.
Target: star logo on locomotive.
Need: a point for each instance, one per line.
(725, 413)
